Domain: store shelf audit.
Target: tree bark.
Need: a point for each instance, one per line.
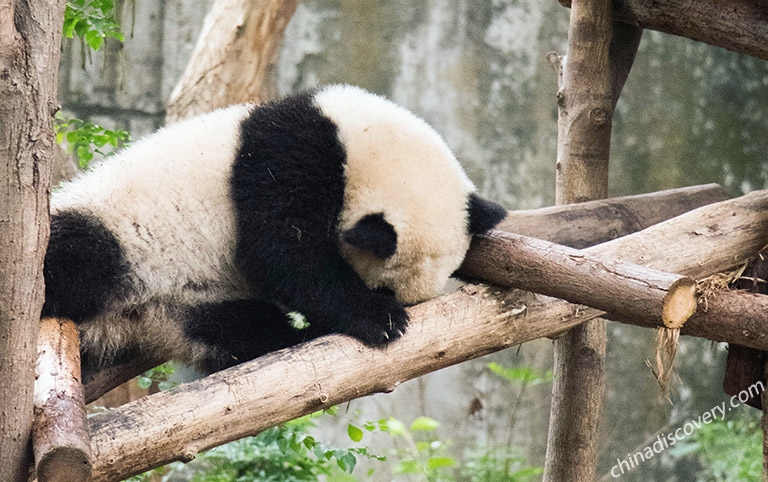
(474, 321)
(764, 424)
(60, 437)
(577, 225)
(594, 222)
(234, 57)
(738, 25)
(30, 37)
(585, 110)
(626, 290)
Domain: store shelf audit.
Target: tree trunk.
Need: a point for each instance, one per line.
(30, 39)
(582, 224)
(234, 57)
(60, 433)
(626, 290)
(474, 321)
(585, 111)
(738, 25)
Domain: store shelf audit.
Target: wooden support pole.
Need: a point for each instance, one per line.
(60, 437)
(30, 43)
(576, 225)
(738, 25)
(247, 399)
(764, 424)
(626, 290)
(585, 109)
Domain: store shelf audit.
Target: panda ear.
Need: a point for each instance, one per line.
(373, 234)
(483, 214)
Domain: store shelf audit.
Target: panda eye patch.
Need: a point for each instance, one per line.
(374, 234)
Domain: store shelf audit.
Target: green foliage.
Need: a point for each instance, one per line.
(92, 21)
(84, 139)
(285, 454)
(158, 375)
(418, 451)
(727, 451)
(498, 465)
(522, 375)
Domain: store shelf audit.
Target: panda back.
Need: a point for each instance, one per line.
(167, 201)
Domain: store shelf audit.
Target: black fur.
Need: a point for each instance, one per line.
(483, 214)
(85, 267)
(373, 234)
(288, 187)
(242, 330)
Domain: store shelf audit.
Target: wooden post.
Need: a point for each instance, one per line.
(590, 78)
(60, 437)
(764, 424)
(30, 40)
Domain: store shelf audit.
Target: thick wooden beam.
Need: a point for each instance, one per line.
(474, 321)
(576, 225)
(594, 222)
(738, 25)
(60, 437)
(626, 290)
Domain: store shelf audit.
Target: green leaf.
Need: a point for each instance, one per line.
(165, 385)
(349, 462)
(354, 433)
(143, 382)
(407, 467)
(396, 427)
(437, 462)
(424, 424)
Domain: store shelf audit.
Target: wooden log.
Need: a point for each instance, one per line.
(764, 423)
(745, 366)
(474, 321)
(595, 222)
(626, 290)
(30, 43)
(99, 383)
(60, 437)
(737, 25)
(577, 225)
(735, 317)
(585, 111)
(234, 57)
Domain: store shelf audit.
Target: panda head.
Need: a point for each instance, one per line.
(409, 208)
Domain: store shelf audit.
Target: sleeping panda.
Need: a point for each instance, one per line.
(196, 242)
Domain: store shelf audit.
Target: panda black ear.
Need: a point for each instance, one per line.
(483, 214)
(373, 234)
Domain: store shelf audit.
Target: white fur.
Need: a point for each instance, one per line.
(167, 198)
(398, 165)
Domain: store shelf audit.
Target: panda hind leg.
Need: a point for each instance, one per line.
(240, 330)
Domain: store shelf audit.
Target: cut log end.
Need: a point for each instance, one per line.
(64, 464)
(679, 303)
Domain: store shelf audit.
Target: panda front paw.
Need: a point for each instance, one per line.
(382, 320)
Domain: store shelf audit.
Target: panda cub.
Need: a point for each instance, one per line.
(195, 242)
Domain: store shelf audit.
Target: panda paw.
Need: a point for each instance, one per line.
(381, 321)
